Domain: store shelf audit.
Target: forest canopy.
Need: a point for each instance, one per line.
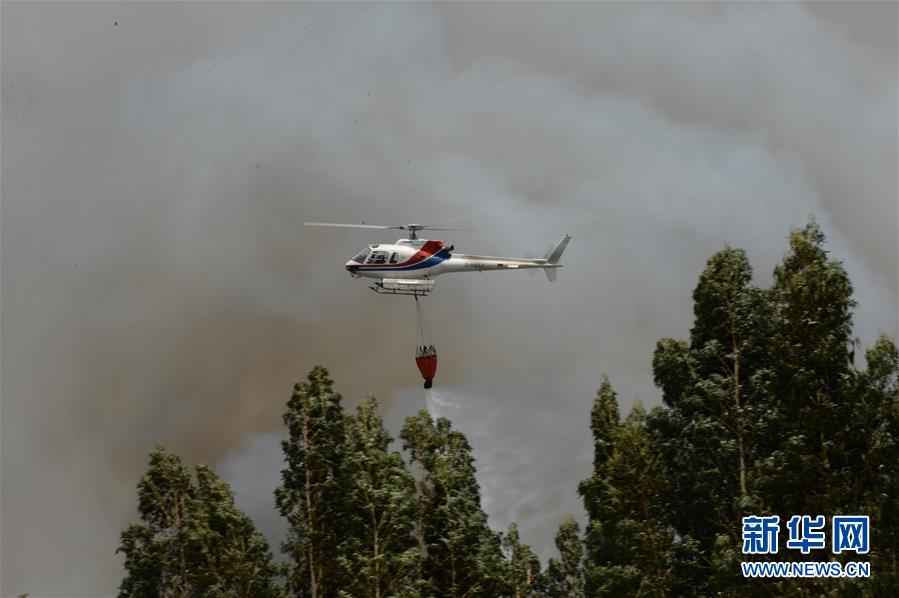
(764, 411)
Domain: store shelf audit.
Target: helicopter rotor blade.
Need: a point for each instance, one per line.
(412, 228)
(445, 222)
(342, 225)
(428, 227)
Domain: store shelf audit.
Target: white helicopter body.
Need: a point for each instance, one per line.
(408, 266)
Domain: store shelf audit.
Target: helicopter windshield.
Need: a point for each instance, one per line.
(360, 259)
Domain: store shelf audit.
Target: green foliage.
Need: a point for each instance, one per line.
(717, 408)
(313, 491)
(604, 420)
(192, 540)
(868, 478)
(524, 578)
(565, 575)
(362, 525)
(378, 554)
(630, 544)
(462, 555)
(811, 377)
(765, 413)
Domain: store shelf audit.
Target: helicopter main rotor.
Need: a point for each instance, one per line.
(412, 228)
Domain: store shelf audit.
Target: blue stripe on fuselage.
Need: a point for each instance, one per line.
(435, 259)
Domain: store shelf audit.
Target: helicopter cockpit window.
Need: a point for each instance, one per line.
(393, 258)
(360, 259)
(377, 257)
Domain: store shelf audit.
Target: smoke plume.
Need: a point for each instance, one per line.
(157, 284)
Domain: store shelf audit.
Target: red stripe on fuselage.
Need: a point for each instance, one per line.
(427, 250)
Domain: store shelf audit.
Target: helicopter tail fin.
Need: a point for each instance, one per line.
(553, 257)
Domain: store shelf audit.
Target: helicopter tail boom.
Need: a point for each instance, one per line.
(481, 263)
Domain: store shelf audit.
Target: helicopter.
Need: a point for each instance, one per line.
(408, 266)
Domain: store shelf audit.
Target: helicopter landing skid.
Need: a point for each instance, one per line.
(408, 293)
(414, 288)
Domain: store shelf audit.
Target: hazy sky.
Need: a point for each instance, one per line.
(158, 160)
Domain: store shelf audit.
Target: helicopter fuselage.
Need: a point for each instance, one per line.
(425, 259)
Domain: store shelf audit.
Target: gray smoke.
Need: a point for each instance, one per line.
(159, 159)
